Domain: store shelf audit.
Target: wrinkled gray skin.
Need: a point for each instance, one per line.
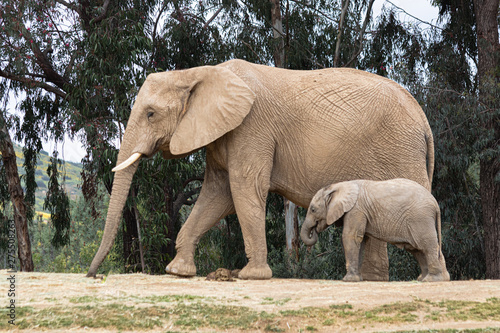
(397, 211)
(266, 130)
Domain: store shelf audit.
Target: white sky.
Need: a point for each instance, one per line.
(74, 152)
(418, 8)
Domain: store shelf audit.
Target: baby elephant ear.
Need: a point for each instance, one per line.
(217, 101)
(340, 198)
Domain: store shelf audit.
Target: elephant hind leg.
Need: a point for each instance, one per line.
(375, 264)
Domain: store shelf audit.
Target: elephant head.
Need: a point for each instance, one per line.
(327, 206)
(175, 112)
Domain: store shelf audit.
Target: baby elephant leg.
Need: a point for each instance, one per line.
(422, 262)
(352, 238)
(436, 265)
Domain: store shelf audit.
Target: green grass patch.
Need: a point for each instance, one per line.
(172, 299)
(470, 310)
(474, 330)
(401, 312)
(86, 299)
(188, 313)
(278, 302)
(341, 306)
(199, 315)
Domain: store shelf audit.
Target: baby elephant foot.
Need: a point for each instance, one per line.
(255, 272)
(351, 277)
(181, 267)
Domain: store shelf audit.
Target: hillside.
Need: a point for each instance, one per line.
(71, 176)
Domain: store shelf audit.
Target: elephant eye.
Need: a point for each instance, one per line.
(313, 210)
(150, 114)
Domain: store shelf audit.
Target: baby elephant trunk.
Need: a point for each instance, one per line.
(308, 233)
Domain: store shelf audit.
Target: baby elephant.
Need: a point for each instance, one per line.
(397, 211)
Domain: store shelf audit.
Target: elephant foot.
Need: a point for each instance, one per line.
(181, 267)
(436, 277)
(254, 272)
(350, 277)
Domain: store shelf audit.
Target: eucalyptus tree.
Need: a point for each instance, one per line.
(452, 69)
(471, 35)
(75, 66)
(487, 14)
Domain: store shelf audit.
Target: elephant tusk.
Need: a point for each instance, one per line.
(128, 162)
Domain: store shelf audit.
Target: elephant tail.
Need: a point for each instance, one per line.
(429, 139)
(438, 228)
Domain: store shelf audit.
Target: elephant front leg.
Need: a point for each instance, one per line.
(250, 203)
(213, 204)
(352, 240)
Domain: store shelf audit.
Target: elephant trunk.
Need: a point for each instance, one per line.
(308, 233)
(121, 186)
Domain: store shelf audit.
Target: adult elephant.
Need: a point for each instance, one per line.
(270, 129)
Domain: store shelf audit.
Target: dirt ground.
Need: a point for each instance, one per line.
(39, 290)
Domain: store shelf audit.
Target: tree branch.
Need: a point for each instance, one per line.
(33, 83)
(191, 180)
(102, 16)
(416, 18)
(69, 5)
(183, 199)
(213, 17)
(311, 58)
(361, 34)
(41, 59)
(153, 35)
(302, 3)
(251, 49)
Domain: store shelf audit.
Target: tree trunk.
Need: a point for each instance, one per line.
(490, 199)
(486, 12)
(291, 220)
(17, 197)
(292, 227)
(129, 238)
(279, 42)
(339, 34)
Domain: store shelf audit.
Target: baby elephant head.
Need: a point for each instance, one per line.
(327, 206)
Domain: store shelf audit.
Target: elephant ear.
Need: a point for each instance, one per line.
(217, 101)
(340, 198)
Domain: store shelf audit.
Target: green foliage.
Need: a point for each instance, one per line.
(166, 191)
(4, 204)
(395, 50)
(222, 246)
(57, 203)
(325, 260)
(84, 235)
(32, 147)
(71, 176)
(450, 101)
(77, 73)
